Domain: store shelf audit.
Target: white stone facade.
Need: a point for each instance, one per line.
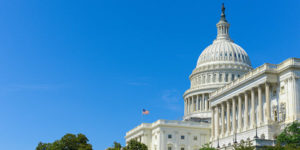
(171, 135)
(229, 101)
(266, 98)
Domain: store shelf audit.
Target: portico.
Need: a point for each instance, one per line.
(249, 105)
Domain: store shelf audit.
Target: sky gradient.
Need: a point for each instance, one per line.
(71, 66)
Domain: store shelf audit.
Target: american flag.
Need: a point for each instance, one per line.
(145, 112)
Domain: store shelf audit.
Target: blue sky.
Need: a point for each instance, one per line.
(70, 66)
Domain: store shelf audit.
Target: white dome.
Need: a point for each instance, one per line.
(219, 64)
(223, 51)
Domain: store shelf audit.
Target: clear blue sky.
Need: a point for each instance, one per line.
(70, 66)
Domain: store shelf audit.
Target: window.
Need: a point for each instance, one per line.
(282, 89)
(182, 137)
(274, 93)
(182, 148)
(169, 148)
(169, 136)
(195, 138)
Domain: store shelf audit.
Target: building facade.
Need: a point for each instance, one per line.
(259, 104)
(171, 135)
(228, 101)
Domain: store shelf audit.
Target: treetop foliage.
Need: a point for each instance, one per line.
(117, 146)
(67, 142)
(135, 145)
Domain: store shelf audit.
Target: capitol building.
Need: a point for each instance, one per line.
(228, 101)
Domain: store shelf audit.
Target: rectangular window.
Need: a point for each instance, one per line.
(182, 148)
(169, 148)
(182, 137)
(169, 136)
(195, 138)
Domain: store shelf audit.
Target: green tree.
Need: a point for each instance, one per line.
(290, 135)
(288, 139)
(135, 145)
(67, 142)
(117, 146)
(207, 146)
(43, 146)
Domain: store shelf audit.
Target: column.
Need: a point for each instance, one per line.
(190, 104)
(235, 76)
(201, 98)
(240, 113)
(213, 123)
(193, 104)
(197, 102)
(185, 108)
(203, 102)
(217, 77)
(253, 123)
(228, 117)
(224, 77)
(206, 104)
(233, 116)
(223, 119)
(293, 98)
(229, 77)
(246, 118)
(217, 123)
(260, 121)
(268, 118)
